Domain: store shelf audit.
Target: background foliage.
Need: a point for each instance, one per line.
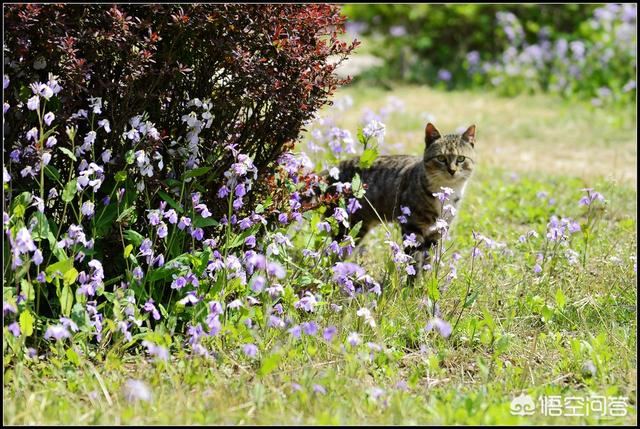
(584, 50)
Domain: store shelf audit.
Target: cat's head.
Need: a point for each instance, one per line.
(450, 158)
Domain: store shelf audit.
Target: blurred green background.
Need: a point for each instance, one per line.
(584, 51)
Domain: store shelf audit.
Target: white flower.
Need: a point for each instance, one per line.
(33, 103)
(366, 314)
(95, 104)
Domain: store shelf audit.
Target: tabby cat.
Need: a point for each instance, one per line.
(397, 181)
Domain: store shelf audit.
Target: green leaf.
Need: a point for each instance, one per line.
(49, 132)
(26, 323)
(133, 236)
(66, 299)
(52, 172)
(69, 277)
(130, 156)
(432, 288)
(73, 357)
(18, 210)
(171, 201)
(125, 213)
(269, 364)
(361, 138)
(368, 157)
(27, 289)
(238, 239)
(471, 298)
(127, 250)
(69, 191)
(196, 172)
(201, 222)
(40, 230)
(53, 246)
(356, 186)
(62, 266)
(20, 204)
(121, 176)
(68, 153)
(561, 300)
(355, 230)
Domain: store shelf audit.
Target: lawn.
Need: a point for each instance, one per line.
(567, 331)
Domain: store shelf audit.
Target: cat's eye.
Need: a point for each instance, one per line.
(442, 158)
(460, 159)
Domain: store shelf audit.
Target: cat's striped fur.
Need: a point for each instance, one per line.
(401, 180)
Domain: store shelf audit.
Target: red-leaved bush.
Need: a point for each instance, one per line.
(265, 69)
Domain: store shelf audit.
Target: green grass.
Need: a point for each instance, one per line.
(519, 335)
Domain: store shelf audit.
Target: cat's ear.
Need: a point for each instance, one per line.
(470, 135)
(431, 134)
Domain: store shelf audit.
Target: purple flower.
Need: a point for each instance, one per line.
(33, 103)
(310, 328)
(32, 134)
(329, 333)
(198, 234)
(203, 210)
(236, 303)
(190, 298)
(354, 339)
(443, 327)
(138, 273)
(69, 324)
(238, 203)
(340, 214)
(250, 350)
(223, 192)
(295, 331)
(14, 328)
(8, 308)
(250, 241)
(275, 322)
(323, 226)
(172, 215)
(283, 218)
(319, 389)
(48, 118)
(23, 242)
(88, 209)
(353, 205)
(444, 195)
(444, 75)
(397, 30)
(149, 307)
(162, 230)
(37, 257)
(245, 223)
(57, 332)
(275, 269)
(307, 303)
(179, 282)
(184, 222)
(257, 284)
(154, 217)
(376, 392)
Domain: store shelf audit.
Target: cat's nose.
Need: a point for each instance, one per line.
(451, 171)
